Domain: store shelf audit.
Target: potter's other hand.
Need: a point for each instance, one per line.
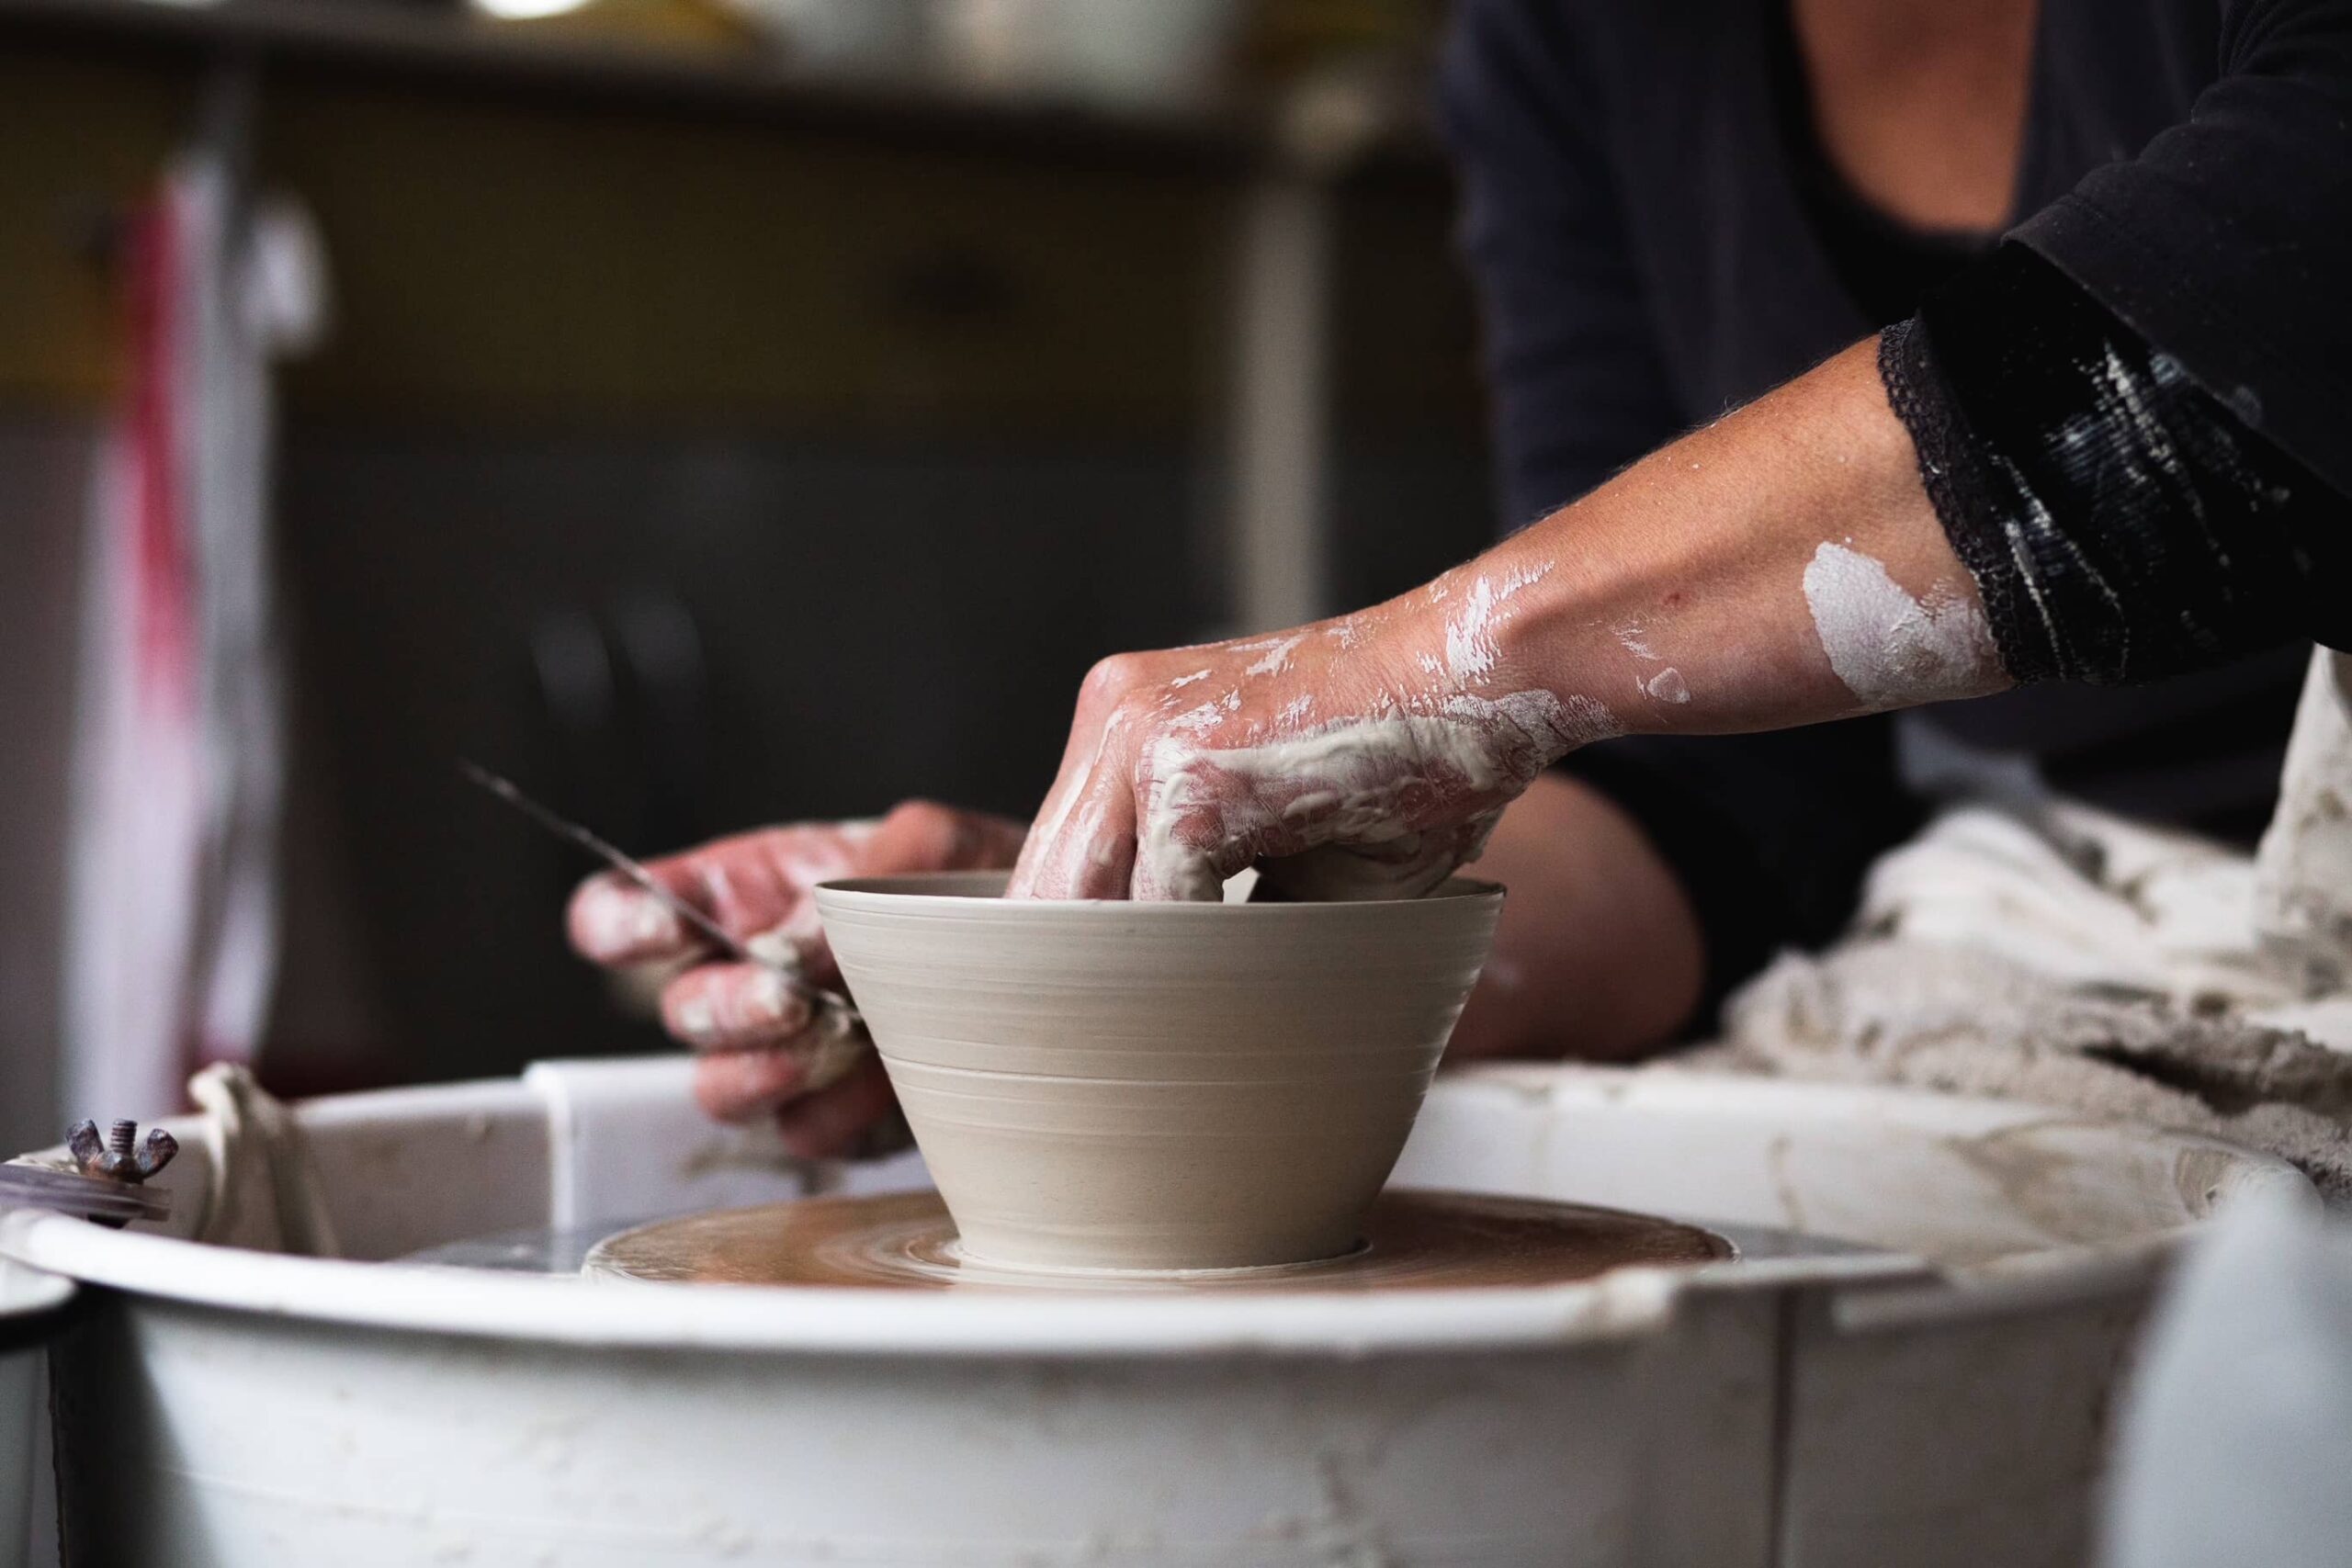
(1365, 756)
(767, 1047)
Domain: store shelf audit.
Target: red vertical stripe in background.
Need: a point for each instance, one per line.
(160, 603)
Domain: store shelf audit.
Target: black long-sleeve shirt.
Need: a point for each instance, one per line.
(1658, 238)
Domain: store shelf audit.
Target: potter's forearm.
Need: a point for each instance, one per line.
(1780, 567)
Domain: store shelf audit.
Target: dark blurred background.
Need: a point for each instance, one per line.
(728, 414)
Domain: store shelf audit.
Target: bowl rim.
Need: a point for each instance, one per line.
(977, 890)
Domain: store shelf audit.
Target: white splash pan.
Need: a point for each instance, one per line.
(32, 1308)
(224, 1406)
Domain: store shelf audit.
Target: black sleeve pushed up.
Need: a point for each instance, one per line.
(2120, 521)
(2227, 241)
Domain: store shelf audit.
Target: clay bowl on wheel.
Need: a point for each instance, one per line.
(1156, 1086)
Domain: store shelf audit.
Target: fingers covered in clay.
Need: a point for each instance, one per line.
(749, 885)
(830, 1123)
(611, 920)
(1360, 758)
(744, 1087)
(1403, 867)
(756, 886)
(753, 1074)
(741, 1086)
(770, 1044)
(735, 1006)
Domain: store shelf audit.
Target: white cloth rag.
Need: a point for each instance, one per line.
(2043, 950)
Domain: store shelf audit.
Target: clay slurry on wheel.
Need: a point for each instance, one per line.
(1412, 1241)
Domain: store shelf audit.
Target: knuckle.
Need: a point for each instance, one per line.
(1113, 676)
(924, 833)
(927, 817)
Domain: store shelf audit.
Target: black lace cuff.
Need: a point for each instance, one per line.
(2122, 524)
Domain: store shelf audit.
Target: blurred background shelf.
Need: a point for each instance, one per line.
(424, 43)
(705, 440)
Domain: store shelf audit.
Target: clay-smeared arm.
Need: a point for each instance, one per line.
(1780, 567)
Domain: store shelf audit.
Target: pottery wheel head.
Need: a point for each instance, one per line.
(1411, 1241)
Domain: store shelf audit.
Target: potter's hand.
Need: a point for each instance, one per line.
(1365, 756)
(1782, 566)
(766, 1045)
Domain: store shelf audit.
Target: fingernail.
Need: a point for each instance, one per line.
(620, 920)
(696, 1019)
(778, 947)
(771, 999)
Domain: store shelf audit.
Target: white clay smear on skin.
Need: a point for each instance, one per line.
(1350, 777)
(1889, 649)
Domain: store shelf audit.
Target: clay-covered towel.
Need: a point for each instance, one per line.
(2050, 952)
